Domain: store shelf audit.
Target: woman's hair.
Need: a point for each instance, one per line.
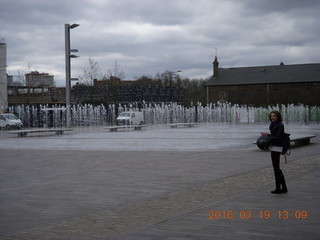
(277, 113)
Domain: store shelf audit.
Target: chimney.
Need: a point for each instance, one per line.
(215, 67)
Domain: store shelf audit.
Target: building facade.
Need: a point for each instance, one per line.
(265, 85)
(36, 79)
(3, 75)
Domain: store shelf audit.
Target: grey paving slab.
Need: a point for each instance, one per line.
(253, 215)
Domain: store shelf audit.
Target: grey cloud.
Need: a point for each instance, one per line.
(262, 6)
(147, 37)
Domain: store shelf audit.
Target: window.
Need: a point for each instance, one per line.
(223, 96)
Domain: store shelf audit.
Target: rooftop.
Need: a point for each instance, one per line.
(296, 73)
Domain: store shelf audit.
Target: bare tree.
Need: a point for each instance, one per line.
(19, 78)
(92, 71)
(30, 81)
(169, 78)
(142, 76)
(116, 71)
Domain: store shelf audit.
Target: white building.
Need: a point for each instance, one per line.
(3, 76)
(36, 79)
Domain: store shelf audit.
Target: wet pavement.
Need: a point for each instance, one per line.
(191, 183)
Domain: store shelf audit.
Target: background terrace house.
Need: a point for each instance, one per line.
(39, 89)
(265, 85)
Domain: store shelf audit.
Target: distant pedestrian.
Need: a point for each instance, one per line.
(276, 134)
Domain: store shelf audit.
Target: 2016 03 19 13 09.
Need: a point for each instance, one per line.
(262, 214)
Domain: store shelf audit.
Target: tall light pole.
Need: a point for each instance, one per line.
(170, 79)
(68, 54)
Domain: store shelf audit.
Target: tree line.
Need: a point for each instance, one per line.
(194, 89)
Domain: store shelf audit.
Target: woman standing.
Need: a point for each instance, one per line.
(276, 133)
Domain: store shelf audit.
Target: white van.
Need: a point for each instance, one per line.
(9, 120)
(130, 118)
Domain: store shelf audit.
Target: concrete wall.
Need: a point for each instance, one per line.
(36, 79)
(3, 76)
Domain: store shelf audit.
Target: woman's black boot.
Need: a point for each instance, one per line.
(283, 183)
(278, 188)
(276, 191)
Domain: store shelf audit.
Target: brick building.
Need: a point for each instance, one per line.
(265, 85)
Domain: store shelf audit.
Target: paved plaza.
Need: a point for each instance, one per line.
(207, 182)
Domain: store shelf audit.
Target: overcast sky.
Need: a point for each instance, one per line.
(150, 36)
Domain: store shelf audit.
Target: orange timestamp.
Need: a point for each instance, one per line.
(247, 214)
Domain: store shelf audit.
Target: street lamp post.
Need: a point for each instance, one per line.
(68, 56)
(171, 76)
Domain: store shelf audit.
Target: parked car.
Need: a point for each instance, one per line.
(130, 118)
(9, 120)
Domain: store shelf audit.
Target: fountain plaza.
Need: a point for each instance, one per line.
(205, 182)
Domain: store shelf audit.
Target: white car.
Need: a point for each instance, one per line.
(9, 120)
(130, 118)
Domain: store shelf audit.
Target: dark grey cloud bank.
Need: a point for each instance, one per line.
(150, 36)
